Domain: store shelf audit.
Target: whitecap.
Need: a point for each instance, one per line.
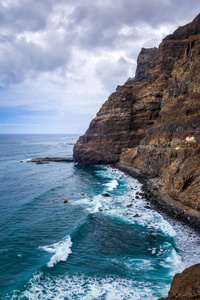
(88, 288)
(120, 207)
(25, 160)
(94, 206)
(61, 249)
(112, 185)
(173, 262)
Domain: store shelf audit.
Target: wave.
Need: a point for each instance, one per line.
(126, 203)
(112, 185)
(61, 249)
(88, 288)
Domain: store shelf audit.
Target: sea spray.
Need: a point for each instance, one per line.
(61, 249)
(112, 185)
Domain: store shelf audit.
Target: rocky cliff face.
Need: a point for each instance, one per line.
(152, 122)
(185, 285)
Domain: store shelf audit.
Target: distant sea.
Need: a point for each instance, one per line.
(92, 247)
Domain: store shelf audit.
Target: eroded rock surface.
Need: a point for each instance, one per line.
(152, 122)
(185, 285)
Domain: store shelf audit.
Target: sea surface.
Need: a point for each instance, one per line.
(91, 247)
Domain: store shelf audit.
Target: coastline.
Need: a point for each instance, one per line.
(153, 190)
(160, 200)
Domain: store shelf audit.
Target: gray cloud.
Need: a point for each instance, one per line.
(20, 59)
(23, 15)
(101, 23)
(111, 71)
(42, 36)
(62, 58)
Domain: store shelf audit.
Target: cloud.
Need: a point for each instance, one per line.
(28, 15)
(67, 56)
(21, 59)
(100, 22)
(112, 69)
(42, 36)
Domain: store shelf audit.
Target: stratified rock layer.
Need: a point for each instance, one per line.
(120, 123)
(152, 122)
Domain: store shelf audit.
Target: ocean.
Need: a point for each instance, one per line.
(104, 242)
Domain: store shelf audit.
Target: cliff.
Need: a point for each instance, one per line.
(152, 122)
(184, 286)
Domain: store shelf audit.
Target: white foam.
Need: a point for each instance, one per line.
(112, 185)
(147, 217)
(118, 205)
(173, 262)
(94, 206)
(25, 160)
(87, 288)
(61, 249)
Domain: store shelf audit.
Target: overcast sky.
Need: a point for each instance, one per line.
(61, 59)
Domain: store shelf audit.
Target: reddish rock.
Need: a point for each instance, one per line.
(144, 61)
(152, 122)
(185, 285)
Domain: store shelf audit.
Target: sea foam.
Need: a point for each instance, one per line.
(112, 185)
(86, 288)
(61, 251)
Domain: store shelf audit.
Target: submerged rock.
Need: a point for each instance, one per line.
(66, 201)
(136, 216)
(106, 195)
(41, 160)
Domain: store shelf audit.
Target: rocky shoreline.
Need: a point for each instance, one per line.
(185, 285)
(162, 202)
(152, 122)
(150, 129)
(43, 160)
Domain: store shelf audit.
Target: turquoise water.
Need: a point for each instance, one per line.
(93, 247)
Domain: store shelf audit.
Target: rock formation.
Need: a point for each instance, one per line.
(185, 285)
(152, 122)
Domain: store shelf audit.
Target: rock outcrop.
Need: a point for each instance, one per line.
(152, 122)
(185, 285)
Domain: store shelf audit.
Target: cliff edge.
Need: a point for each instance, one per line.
(185, 285)
(152, 122)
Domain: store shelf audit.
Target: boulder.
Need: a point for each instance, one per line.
(106, 195)
(185, 285)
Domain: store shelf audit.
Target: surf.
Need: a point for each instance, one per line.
(92, 247)
(112, 185)
(61, 251)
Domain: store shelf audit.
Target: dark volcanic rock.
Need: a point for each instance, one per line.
(43, 160)
(144, 61)
(152, 122)
(120, 123)
(106, 195)
(152, 125)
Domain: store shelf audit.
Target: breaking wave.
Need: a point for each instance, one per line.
(85, 288)
(61, 251)
(112, 185)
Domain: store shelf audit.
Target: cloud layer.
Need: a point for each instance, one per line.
(67, 56)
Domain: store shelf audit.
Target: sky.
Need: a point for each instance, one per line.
(61, 59)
